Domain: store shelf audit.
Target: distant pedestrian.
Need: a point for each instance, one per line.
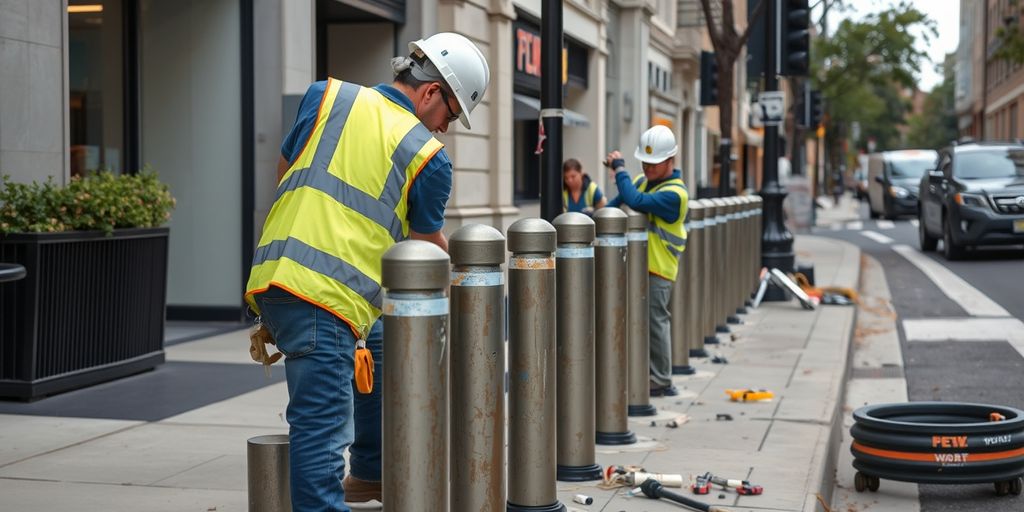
(359, 171)
(661, 194)
(579, 192)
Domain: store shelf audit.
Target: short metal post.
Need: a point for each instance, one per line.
(697, 303)
(268, 473)
(638, 316)
(719, 288)
(758, 246)
(477, 369)
(743, 289)
(680, 305)
(734, 255)
(574, 270)
(612, 369)
(415, 410)
(711, 255)
(531, 395)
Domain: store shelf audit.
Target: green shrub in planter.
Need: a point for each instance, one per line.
(102, 201)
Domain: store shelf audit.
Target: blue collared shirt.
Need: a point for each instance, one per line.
(664, 203)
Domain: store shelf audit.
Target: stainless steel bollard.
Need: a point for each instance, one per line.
(680, 305)
(718, 287)
(531, 396)
(743, 288)
(477, 369)
(415, 410)
(268, 473)
(697, 303)
(574, 270)
(612, 369)
(733, 255)
(638, 317)
(758, 226)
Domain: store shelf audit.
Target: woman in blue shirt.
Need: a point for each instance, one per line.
(579, 192)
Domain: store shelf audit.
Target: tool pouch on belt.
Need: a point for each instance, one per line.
(259, 338)
(364, 368)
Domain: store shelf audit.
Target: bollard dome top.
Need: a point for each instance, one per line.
(574, 228)
(635, 221)
(415, 265)
(610, 221)
(696, 210)
(477, 244)
(531, 235)
(710, 208)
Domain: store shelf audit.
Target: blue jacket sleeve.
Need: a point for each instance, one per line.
(428, 195)
(664, 204)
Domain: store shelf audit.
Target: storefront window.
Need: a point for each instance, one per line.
(96, 85)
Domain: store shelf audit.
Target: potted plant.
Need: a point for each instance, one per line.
(91, 307)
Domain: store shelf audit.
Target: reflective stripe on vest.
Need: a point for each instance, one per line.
(342, 204)
(667, 240)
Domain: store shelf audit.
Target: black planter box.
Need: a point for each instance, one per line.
(90, 309)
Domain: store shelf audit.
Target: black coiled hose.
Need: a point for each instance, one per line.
(939, 443)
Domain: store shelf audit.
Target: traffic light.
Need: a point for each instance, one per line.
(815, 108)
(708, 79)
(795, 38)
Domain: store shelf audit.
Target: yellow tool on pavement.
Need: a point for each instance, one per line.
(749, 395)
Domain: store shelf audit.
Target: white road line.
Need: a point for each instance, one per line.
(855, 225)
(878, 237)
(967, 329)
(914, 222)
(974, 302)
(885, 224)
(836, 227)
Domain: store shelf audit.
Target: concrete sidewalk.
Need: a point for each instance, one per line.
(192, 458)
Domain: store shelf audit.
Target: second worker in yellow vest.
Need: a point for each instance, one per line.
(661, 194)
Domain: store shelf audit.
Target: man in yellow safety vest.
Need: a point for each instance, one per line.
(661, 194)
(360, 171)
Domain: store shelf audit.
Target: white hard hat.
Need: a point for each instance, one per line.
(657, 144)
(462, 66)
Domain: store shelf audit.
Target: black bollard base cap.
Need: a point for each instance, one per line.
(579, 473)
(699, 352)
(687, 370)
(614, 438)
(554, 507)
(749, 302)
(721, 328)
(742, 310)
(711, 340)
(642, 410)
(733, 320)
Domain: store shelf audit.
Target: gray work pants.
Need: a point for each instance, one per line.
(661, 331)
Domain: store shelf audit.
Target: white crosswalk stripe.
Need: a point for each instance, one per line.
(885, 224)
(878, 237)
(966, 329)
(855, 225)
(836, 227)
(914, 222)
(974, 302)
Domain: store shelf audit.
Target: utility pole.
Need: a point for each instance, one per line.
(551, 108)
(776, 240)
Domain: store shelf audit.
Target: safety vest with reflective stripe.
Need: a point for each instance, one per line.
(588, 196)
(665, 240)
(342, 204)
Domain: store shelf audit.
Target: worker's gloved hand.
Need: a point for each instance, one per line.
(618, 163)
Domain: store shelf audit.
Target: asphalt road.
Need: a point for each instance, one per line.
(982, 367)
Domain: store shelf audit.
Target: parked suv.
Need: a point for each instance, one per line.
(893, 178)
(974, 197)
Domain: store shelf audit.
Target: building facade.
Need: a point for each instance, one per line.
(203, 91)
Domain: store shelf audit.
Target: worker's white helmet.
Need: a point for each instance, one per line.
(462, 66)
(656, 145)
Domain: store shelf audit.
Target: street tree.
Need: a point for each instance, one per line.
(935, 126)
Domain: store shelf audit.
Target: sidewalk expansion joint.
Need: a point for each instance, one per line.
(77, 443)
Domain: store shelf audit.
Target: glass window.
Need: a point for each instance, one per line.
(989, 163)
(96, 85)
(911, 168)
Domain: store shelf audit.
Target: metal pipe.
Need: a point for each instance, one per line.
(415, 410)
(531, 394)
(610, 279)
(638, 317)
(574, 271)
(477, 370)
(268, 473)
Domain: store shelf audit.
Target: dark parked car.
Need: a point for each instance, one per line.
(974, 197)
(893, 178)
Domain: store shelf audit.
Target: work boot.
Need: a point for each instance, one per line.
(361, 494)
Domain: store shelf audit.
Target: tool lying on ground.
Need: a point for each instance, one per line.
(744, 487)
(835, 295)
(632, 476)
(653, 489)
(749, 395)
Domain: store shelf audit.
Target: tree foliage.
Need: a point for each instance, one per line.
(1010, 39)
(935, 126)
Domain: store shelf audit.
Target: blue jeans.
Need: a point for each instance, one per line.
(319, 363)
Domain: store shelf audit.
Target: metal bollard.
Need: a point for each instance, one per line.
(415, 410)
(719, 261)
(698, 302)
(734, 254)
(268, 473)
(477, 369)
(682, 303)
(531, 394)
(612, 369)
(755, 258)
(638, 317)
(574, 271)
(743, 288)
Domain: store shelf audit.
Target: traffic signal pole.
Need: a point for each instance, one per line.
(551, 108)
(776, 240)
